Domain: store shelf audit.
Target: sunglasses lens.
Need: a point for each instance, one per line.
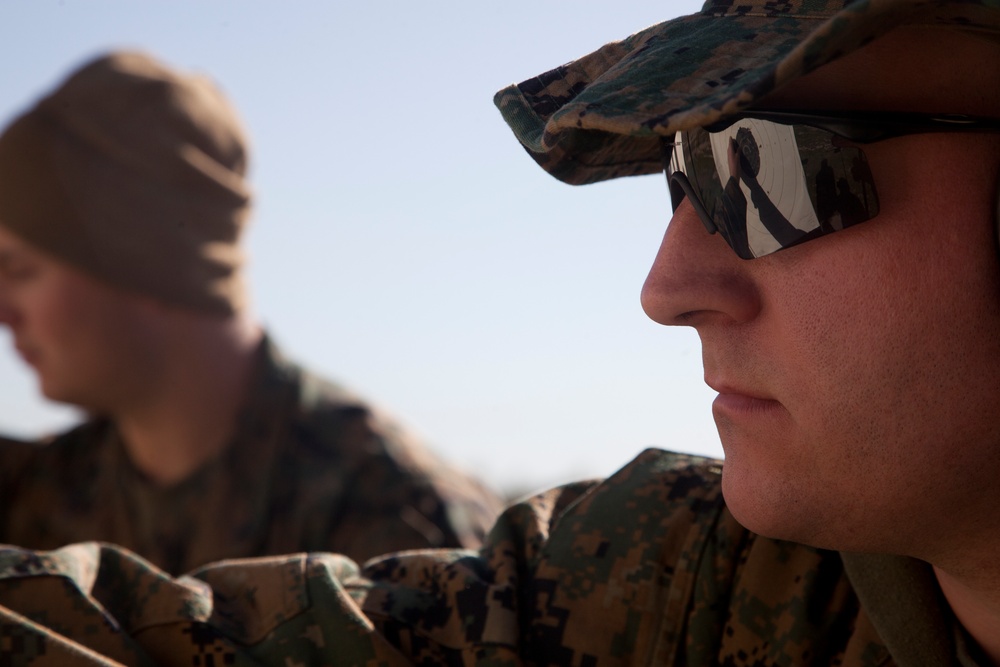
(767, 186)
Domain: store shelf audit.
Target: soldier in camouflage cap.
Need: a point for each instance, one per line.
(851, 150)
(123, 195)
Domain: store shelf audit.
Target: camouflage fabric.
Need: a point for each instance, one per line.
(645, 568)
(311, 468)
(602, 116)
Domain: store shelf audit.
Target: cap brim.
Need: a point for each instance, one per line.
(602, 116)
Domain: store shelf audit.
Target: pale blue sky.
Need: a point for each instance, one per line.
(403, 242)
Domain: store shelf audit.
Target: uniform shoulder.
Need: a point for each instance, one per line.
(55, 462)
(674, 487)
(10, 442)
(331, 420)
(336, 442)
(666, 487)
(15, 454)
(668, 478)
(592, 570)
(67, 444)
(321, 419)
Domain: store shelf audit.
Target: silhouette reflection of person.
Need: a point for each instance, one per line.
(850, 207)
(826, 195)
(862, 174)
(743, 158)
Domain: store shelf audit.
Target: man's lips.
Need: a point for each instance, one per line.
(742, 404)
(733, 399)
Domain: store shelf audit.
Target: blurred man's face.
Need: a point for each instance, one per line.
(84, 339)
(859, 373)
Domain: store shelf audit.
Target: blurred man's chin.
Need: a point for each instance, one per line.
(61, 393)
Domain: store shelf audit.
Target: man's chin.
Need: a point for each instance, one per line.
(764, 508)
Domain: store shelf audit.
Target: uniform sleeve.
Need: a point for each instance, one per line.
(588, 574)
(98, 604)
(361, 484)
(92, 604)
(402, 497)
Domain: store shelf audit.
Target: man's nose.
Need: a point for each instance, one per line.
(697, 278)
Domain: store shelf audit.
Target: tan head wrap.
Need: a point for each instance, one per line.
(134, 173)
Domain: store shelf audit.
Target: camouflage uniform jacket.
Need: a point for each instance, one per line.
(310, 469)
(646, 568)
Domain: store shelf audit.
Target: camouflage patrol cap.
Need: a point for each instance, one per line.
(602, 116)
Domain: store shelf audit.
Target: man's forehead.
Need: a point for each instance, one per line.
(913, 68)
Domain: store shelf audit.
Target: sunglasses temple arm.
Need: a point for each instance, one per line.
(680, 180)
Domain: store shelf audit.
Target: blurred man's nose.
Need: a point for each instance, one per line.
(697, 278)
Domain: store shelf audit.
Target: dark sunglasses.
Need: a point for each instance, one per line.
(769, 180)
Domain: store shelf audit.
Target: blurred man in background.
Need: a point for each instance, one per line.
(123, 196)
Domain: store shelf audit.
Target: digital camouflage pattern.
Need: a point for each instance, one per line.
(646, 568)
(603, 116)
(311, 468)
